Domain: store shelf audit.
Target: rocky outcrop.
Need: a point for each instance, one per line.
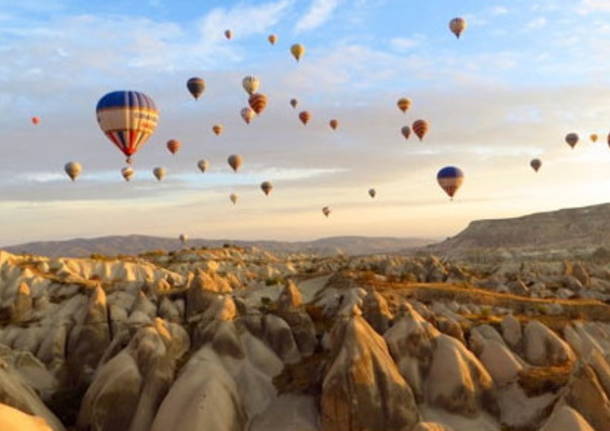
(363, 389)
(543, 347)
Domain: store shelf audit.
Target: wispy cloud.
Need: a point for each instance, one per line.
(402, 44)
(319, 12)
(589, 6)
(537, 23)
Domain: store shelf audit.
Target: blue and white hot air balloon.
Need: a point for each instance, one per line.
(450, 179)
(128, 118)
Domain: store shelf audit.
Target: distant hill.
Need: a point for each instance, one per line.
(134, 244)
(572, 228)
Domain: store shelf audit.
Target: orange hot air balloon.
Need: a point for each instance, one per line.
(235, 161)
(257, 102)
(294, 103)
(217, 129)
(572, 139)
(535, 164)
(272, 38)
(266, 187)
(326, 211)
(173, 146)
(420, 128)
(593, 137)
(406, 132)
(333, 124)
(247, 114)
(457, 26)
(305, 116)
(228, 34)
(403, 104)
(35, 120)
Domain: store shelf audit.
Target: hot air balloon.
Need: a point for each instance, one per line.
(304, 116)
(128, 118)
(297, 51)
(228, 34)
(294, 103)
(403, 104)
(372, 193)
(333, 124)
(247, 114)
(159, 173)
(257, 102)
(235, 161)
(127, 173)
(35, 120)
(233, 198)
(326, 211)
(217, 129)
(593, 137)
(535, 164)
(450, 179)
(203, 165)
(572, 139)
(250, 84)
(73, 169)
(406, 132)
(272, 38)
(173, 146)
(195, 86)
(457, 26)
(420, 128)
(266, 187)
(183, 238)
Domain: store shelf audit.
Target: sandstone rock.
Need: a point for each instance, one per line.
(543, 347)
(363, 388)
(511, 331)
(568, 419)
(587, 396)
(457, 381)
(376, 311)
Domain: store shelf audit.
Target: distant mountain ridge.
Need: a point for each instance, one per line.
(571, 228)
(134, 244)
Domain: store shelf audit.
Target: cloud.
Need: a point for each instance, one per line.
(590, 6)
(537, 23)
(405, 43)
(319, 12)
(499, 10)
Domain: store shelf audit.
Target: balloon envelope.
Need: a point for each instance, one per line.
(457, 26)
(420, 128)
(450, 179)
(294, 103)
(247, 114)
(536, 164)
(217, 129)
(572, 139)
(406, 132)
(250, 84)
(333, 124)
(235, 161)
(173, 146)
(195, 86)
(297, 51)
(159, 173)
(257, 102)
(233, 198)
(73, 169)
(372, 193)
(127, 173)
(403, 104)
(272, 39)
(326, 211)
(228, 34)
(128, 118)
(203, 165)
(35, 120)
(266, 187)
(304, 116)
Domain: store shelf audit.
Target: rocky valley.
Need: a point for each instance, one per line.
(241, 339)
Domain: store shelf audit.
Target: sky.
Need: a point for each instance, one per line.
(523, 75)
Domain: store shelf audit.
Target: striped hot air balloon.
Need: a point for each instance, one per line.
(257, 102)
(403, 104)
(450, 179)
(420, 128)
(195, 86)
(128, 118)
